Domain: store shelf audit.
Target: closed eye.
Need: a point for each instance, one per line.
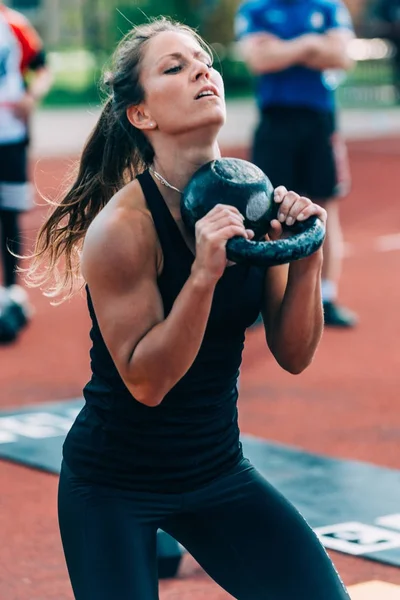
(178, 68)
(173, 69)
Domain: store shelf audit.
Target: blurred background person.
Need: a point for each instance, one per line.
(24, 80)
(298, 50)
(385, 22)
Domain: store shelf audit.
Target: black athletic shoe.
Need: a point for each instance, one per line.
(11, 322)
(15, 313)
(338, 316)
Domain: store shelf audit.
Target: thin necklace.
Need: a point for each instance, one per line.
(164, 181)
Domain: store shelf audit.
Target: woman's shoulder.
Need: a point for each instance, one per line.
(122, 232)
(124, 214)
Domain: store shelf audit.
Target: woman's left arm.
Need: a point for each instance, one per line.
(292, 307)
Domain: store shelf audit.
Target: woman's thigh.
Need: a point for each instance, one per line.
(109, 549)
(254, 543)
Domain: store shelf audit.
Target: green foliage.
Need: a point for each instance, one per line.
(237, 79)
(127, 15)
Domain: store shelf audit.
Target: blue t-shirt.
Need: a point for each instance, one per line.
(288, 19)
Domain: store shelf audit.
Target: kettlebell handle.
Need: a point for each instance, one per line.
(307, 238)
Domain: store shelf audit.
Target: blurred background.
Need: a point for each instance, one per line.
(79, 34)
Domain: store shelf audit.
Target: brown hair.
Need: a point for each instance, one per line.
(113, 155)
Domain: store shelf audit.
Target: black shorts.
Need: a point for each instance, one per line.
(300, 149)
(15, 190)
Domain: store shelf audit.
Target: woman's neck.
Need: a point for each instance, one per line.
(177, 164)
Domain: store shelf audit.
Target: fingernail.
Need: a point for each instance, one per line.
(289, 221)
(300, 217)
(281, 217)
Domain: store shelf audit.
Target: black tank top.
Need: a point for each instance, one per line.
(193, 435)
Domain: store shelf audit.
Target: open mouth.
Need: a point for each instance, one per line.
(205, 94)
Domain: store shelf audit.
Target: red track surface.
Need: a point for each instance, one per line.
(345, 405)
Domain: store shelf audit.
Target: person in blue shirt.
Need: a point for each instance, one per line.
(298, 50)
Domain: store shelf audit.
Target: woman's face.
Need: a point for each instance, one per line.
(183, 92)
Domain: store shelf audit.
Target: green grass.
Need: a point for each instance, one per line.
(76, 78)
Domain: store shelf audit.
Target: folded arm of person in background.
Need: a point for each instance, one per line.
(266, 52)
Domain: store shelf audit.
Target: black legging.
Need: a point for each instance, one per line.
(245, 535)
(10, 236)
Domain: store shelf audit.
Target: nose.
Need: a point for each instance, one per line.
(201, 70)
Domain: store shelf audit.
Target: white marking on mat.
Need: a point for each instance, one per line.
(34, 425)
(6, 437)
(390, 521)
(356, 538)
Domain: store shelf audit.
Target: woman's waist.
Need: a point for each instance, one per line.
(198, 388)
(118, 408)
(152, 471)
(160, 449)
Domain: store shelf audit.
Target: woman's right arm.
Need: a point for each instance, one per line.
(119, 263)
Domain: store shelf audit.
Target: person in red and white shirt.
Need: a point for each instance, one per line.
(24, 79)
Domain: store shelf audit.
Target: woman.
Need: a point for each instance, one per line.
(157, 443)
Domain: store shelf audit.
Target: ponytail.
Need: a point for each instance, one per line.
(113, 155)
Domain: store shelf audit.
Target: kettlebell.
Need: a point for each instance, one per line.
(242, 184)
